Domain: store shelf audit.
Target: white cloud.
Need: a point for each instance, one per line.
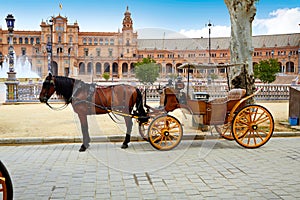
(216, 31)
(281, 21)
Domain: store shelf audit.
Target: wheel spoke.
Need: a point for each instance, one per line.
(170, 140)
(259, 135)
(157, 138)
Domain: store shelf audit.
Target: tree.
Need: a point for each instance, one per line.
(147, 71)
(242, 13)
(106, 76)
(266, 70)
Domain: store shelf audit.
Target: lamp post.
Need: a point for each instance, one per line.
(49, 46)
(49, 55)
(10, 21)
(11, 82)
(209, 53)
(209, 42)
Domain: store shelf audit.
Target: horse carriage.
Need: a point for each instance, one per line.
(250, 125)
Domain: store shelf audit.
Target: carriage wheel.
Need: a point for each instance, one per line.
(5, 183)
(165, 132)
(252, 126)
(225, 131)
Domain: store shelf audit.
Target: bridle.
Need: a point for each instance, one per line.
(47, 84)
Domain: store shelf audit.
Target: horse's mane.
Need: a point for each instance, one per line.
(64, 87)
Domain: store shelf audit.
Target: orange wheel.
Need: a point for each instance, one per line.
(225, 131)
(5, 184)
(165, 132)
(252, 126)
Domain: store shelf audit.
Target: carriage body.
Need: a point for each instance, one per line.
(250, 125)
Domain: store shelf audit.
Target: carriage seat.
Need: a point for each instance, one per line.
(218, 109)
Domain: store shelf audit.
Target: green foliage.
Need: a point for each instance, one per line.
(147, 71)
(266, 70)
(214, 76)
(106, 76)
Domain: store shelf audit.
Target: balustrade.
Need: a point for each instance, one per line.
(29, 92)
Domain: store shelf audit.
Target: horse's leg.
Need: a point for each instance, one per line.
(128, 122)
(85, 132)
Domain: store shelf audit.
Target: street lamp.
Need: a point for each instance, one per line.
(10, 22)
(49, 54)
(49, 46)
(209, 53)
(209, 42)
(11, 82)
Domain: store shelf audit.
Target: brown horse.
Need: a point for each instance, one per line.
(90, 99)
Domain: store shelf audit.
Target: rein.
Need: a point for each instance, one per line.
(57, 108)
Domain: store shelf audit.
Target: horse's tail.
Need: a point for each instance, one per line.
(140, 108)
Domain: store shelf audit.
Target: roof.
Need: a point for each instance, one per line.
(261, 41)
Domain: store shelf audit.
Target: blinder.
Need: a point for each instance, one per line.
(46, 85)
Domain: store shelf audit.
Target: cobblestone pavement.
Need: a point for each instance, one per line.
(202, 169)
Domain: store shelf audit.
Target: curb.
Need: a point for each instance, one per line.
(113, 138)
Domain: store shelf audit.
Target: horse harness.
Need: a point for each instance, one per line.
(91, 90)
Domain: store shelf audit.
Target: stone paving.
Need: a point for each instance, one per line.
(206, 169)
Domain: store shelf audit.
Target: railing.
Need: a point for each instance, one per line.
(273, 92)
(29, 92)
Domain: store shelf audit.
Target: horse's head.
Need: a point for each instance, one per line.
(48, 89)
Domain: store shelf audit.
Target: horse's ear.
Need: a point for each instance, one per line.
(50, 74)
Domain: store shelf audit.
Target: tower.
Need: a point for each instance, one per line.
(127, 21)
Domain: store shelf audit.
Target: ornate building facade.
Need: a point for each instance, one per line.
(76, 53)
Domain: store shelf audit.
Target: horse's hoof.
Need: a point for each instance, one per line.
(82, 148)
(124, 146)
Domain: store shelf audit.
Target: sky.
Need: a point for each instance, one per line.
(186, 18)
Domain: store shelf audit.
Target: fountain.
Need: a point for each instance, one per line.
(22, 67)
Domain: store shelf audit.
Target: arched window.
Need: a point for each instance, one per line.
(84, 41)
(20, 40)
(112, 41)
(31, 40)
(26, 40)
(81, 68)
(106, 67)
(90, 68)
(98, 68)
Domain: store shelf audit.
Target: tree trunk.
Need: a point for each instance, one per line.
(242, 14)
